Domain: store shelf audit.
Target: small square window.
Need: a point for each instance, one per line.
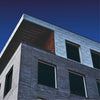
(77, 85)
(8, 82)
(73, 51)
(98, 85)
(46, 74)
(96, 59)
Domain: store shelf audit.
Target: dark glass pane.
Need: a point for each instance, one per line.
(76, 84)
(72, 52)
(46, 75)
(98, 84)
(8, 82)
(96, 60)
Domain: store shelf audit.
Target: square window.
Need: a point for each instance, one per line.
(77, 85)
(96, 59)
(73, 51)
(46, 74)
(8, 82)
(98, 85)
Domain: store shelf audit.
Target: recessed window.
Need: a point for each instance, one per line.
(98, 85)
(96, 59)
(46, 74)
(8, 82)
(72, 51)
(77, 84)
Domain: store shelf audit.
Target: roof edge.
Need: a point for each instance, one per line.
(50, 25)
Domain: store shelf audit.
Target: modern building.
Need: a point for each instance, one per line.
(42, 61)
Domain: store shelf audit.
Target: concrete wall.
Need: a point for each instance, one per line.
(15, 62)
(30, 90)
(86, 45)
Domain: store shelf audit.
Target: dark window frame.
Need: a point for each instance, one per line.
(8, 79)
(78, 59)
(84, 83)
(93, 62)
(55, 74)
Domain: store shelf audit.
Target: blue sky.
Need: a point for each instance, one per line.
(79, 16)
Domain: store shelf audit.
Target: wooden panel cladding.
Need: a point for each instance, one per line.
(49, 44)
(37, 36)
